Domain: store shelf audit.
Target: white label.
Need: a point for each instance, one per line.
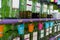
(29, 5)
(0, 3)
(44, 8)
(35, 36)
(58, 28)
(55, 29)
(37, 7)
(42, 33)
(50, 29)
(15, 3)
(26, 37)
(47, 31)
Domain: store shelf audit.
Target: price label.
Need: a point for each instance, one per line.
(20, 21)
(34, 35)
(31, 20)
(0, 3)
(26, 37)
(15, 3)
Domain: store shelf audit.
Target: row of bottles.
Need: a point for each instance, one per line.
(30, 31)
(25, 9)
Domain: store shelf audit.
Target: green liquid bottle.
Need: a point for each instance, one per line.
(0, 8)
(5, 8)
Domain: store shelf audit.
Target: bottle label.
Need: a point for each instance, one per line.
(55, 29)
(27, 37)
(0, 3)
(21, 29)
(29, 5)
(15, 3)
(47, 31)
(50, 29)
(58, 27)
(34, 35)
(42, 33)
(44, 8)
(38, 6)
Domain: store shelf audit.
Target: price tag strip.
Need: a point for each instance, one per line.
(50, 29)
(47, 31)
(27, 37)
(35, 35)
(42, 34)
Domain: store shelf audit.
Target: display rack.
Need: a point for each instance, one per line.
(9, 21)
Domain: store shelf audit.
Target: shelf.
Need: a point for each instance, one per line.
(9, 21)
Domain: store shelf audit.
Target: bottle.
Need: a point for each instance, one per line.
(46, 24)
(20, 28)
(35, 13)
(41, 33)
(58, 27)
(1, 31)
(5, 8)
(14, 10)
(0, 8)
(51, 25)
(26, 34)
(40, 28)
(55, 29)
(50, 11)
(35, 33)
(44, 10)
(31, 29)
